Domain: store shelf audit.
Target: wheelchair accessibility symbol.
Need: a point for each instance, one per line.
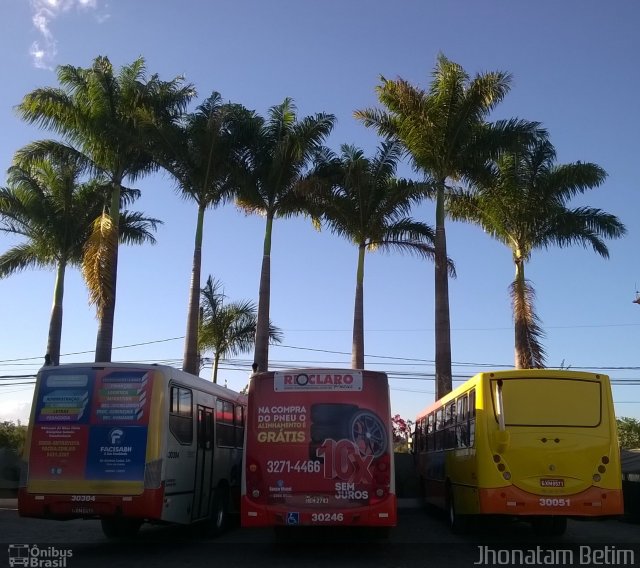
(293, 518)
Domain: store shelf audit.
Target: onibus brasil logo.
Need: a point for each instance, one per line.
(34, 556)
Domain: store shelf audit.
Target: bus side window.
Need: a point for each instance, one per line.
(431, 433)
(472, 417)
(462, 429)
(439, 429)
(225, 430)
(239, 425)
(450, 425)
(181, 414)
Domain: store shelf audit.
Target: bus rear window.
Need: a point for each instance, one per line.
(549, 402)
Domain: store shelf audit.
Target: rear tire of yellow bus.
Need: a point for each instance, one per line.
(549, 526)
(458, 524)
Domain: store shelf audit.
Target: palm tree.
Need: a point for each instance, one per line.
(271, 184)
(525, 207)
(446, 133)
(197, 152)
(46, 203)
(108, 117)
(369, 206)
(228, 329)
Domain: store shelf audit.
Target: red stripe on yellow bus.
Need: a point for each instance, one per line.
(593, 502)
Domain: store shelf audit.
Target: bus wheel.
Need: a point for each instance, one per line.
(220, 513)
(549, 526)
(120, 528)
(458, 524)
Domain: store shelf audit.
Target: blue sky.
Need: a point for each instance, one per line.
(575, 67)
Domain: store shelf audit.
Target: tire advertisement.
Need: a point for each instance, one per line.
(319, 444)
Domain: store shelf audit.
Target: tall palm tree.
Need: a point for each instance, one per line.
(108, 117)
(525, 207)
(369, 206)
(46, 203)
(197, 152)
(272, 183)
(228, 329)
(446, 133)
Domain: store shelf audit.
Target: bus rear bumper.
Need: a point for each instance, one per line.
(381, 514)
(147, 505)
(594, 502)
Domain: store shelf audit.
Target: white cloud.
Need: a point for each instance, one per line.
(44, 12)
(15, 411)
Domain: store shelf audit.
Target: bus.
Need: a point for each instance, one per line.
(131, 443)
(319, 450)
(537, 444)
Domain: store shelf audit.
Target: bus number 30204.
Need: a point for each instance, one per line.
(286, 466)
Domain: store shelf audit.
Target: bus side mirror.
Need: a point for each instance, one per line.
(501, 441)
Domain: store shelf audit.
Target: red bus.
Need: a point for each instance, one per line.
(318, 450)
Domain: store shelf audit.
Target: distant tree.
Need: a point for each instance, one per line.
(12, 435)
(401, 429)
(281, 150)
(525, 205)
(628, 432)
(368, 205)
(46, 203)
(228, 329)
(197, 151)
(108, 116)
(446, 132)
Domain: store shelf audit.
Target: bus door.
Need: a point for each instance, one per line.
(204, 463)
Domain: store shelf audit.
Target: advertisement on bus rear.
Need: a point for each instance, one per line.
(91, 425)
(319, 440)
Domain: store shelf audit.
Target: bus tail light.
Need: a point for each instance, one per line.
(153, 474)
(596, 477)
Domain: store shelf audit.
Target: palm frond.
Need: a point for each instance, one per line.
(97, 264)
(528, 329)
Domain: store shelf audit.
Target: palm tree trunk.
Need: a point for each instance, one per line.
(357, 347)
(261, 356)
(104, 340)
(442, 320)
(529, 353)
(520, 308)
(55, 323)
(190, 362)
(216, 361)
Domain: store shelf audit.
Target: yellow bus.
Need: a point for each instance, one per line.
(538, 444)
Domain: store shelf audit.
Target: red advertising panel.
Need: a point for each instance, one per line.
(318, 448)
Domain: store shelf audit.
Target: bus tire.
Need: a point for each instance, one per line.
(458, 524)
(549, 525)
(220, 511)
(118, 528)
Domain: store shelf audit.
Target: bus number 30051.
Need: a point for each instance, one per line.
(554, 502)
